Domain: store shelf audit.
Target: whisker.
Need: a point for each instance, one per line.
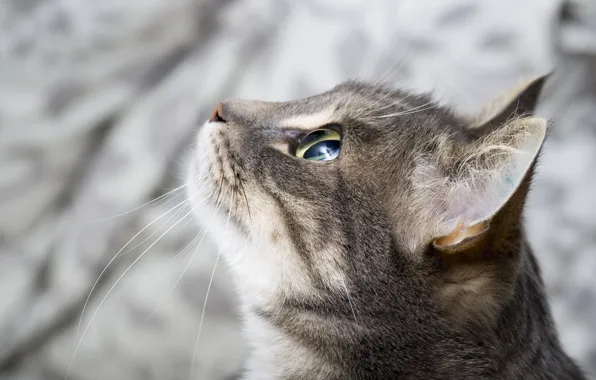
(349, 299)
(194, 354)
(219, 191)
(388, 105)
(180, 206)
(411, 111)
(246, 200)
(200, 235)
(388, 72)
(112, 288)
(363, 113)
(398, 62)
(183, 251)
(230, 210)
(154, 232)
(164, 223)
(405, 111)
(238, 183)
(143, 205)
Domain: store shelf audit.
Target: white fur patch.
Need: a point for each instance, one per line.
(276, 356)
(263, 260)
(310, 121)
(264, 268)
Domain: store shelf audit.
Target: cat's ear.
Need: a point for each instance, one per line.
(489, 172)
(484, 177)
(518, 101)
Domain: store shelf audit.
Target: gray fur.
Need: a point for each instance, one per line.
(351, 297)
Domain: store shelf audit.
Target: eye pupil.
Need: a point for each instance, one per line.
(323, 151)
(320, 145)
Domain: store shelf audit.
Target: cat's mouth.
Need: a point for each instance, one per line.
(218, 178)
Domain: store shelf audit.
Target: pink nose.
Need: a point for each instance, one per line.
(217, 115)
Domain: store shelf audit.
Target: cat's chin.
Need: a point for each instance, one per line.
(214, 219)
(253, 272)
(260, 258)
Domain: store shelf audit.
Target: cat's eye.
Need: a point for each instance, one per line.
(320, 145)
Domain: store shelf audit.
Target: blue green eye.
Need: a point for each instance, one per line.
(320, 145)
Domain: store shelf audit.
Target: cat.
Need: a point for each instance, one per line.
(374, 233)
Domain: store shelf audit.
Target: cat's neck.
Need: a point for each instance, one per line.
(526, 324)
(524, 344)
(274, 355)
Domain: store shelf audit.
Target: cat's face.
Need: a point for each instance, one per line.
(348, 189)
(285, 220)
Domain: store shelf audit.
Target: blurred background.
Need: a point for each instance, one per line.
(99, 101)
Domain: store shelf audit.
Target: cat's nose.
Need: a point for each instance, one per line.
(241, 112)
(217, 116)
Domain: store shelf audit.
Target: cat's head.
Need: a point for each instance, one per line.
(368, 191)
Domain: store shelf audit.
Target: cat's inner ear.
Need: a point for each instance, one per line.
(483, 177)
(518, 101)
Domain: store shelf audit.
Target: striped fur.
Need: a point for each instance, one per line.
(337, 271)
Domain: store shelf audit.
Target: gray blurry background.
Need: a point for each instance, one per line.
(98, 103)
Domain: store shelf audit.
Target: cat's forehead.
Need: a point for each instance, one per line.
(348, 95)
(371, 108)
(348, 99)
